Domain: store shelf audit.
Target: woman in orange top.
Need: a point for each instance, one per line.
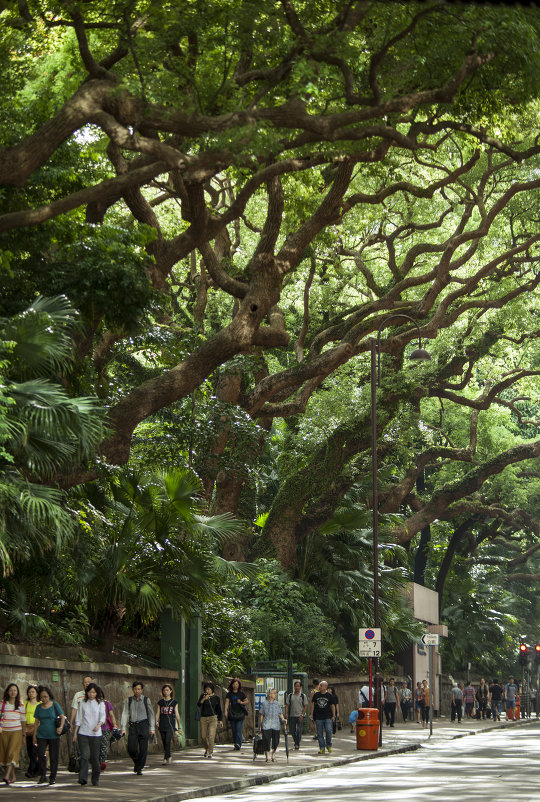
(427, 702)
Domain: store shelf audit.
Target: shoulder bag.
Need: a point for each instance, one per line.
(58, 719)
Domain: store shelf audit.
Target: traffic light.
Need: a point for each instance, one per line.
(523, 656)
(537, 654)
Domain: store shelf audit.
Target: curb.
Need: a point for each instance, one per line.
(263, 779)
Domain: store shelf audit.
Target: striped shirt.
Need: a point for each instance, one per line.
(469, 694)
(12, 717)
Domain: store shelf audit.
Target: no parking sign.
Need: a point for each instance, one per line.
(369, 642)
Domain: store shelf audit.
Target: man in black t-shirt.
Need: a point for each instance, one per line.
(495, 699)
(323, 713)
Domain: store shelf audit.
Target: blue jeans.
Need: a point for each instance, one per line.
(236, 729)
(324, 727)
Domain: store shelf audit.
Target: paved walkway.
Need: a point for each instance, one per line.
(192, 777)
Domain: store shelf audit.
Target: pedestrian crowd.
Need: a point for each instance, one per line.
(485, 701)
(39, 722)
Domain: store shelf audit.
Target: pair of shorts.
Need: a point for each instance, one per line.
(10, 747)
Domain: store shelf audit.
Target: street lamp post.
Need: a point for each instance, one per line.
(418, 354)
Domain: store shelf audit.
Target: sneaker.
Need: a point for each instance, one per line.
(321, 751)
(52, 782)
(42, 780)
(315, 738)
(139, 773)
(209, 756)
(205, 754)
(328, 748)
(102, 766)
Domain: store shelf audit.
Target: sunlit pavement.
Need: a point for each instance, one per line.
(491, 767)
(192, 777)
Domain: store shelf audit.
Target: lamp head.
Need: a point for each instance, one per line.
(420, 355)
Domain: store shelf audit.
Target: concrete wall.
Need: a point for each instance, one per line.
(64, 677)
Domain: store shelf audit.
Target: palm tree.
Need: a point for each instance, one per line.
(42, 429)
(151, 547)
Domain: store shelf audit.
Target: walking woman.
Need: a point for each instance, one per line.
(106, 731)
(13, 731)
(236, 703)
(30, 705)
(270, 717)
(168, 719)
(427, 703)
(89, 719)
(482, 694)
(211, 717)
(47, 733)
(419, 702)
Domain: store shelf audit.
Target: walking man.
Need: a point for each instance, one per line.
(496, 691)
(391, 699)
(295, 710)
(78, 697)
(510, 692)
(323, 713)
(139, 722)
(456, 703)
(469, 696)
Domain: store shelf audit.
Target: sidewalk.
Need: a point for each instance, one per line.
(192, 777)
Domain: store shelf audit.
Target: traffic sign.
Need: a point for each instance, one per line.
(369, 642)
(430, 639)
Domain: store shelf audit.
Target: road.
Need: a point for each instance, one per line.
(491, 767)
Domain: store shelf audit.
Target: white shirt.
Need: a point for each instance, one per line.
(89, 715)
(79, 697)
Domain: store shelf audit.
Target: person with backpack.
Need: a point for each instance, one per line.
(295, 711)
(510, 694)
(89, 719)
(139, 722)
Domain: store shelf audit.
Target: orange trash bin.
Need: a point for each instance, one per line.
(367, 728)
(517, 711)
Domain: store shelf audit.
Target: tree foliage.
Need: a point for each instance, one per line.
(237, 196)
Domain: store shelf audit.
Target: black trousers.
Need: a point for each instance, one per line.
(54, 750)
(166, 740)
(296, 726)
(137, 745)
(32, 752)
(390, 713)
(456, 711)
(270, 738)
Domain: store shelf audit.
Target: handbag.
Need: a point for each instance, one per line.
(116, 734)
(74, 762)
(198, 714)
(58, 719)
